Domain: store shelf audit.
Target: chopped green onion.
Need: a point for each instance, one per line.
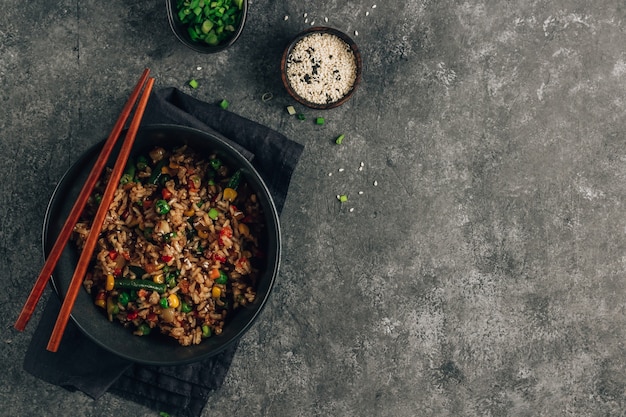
(193, 84)
(291, 110)
(340, 139)
(224, 104)
(319, 121)
(301, 116)
(342, 198)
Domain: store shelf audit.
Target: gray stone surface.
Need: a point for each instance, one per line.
(482, 276)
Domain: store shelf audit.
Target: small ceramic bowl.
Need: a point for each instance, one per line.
(181, 30)
(321, 68)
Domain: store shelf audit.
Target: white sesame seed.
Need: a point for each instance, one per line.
(198, 68)
(375, 183)
(326, 19)
(360, 192)
(340, 170)
(338, 197)
(367, 13)
(312, 22)
(306, 20)
(305, 15)
(360, 168)
(362, 164)
(351, 209)
(374, 6)
(356, 33)
(330, 174)
(286, 17)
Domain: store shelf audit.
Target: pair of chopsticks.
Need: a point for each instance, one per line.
(77, 209)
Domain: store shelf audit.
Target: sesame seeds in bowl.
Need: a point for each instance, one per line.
(321, 68)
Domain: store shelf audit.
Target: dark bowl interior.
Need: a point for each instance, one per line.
(180, 30)
(157, 349)
(289, 49)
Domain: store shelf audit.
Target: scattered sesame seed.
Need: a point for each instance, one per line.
(305, 15)
(356, 33)
(340, 170)
(338, 197)
(360, 168)
(330, 174)
(351, 209)
(375, 183)
(326, 19)
(286, 17)
(312, 22)
(198, 68)
(306, 20)
(360, 192)
(362, 164)
(374, 6)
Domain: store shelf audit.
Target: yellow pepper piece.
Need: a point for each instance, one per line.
(110, 283)
(173, 301)
(229, 194)
(216, 291)
(158, 278)
(101, 303)
(189, 212)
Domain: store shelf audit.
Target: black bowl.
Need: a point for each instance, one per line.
(157, 349)
(180, 30)
(288, 50)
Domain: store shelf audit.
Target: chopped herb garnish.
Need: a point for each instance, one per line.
(340, 139)
(193, 84)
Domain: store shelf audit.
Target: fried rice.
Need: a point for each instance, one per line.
(179, 248)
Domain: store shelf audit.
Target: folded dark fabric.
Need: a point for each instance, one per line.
(81, 364)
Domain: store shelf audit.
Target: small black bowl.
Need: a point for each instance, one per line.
(180, 30)
(285, 61)
(157, 349)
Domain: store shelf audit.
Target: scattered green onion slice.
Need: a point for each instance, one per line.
(224, 104)
(343, 198)
(267, 97)
(301, 116)
(340, 139)
(193, 84)
(319, 121)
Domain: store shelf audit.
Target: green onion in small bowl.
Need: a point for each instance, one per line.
(207, 26)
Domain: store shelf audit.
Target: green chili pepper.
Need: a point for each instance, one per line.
(129, 173)
(161, 207)
(163, 303)
(216, 163)
(137, 284)
(142, 162)
(156, 171)
(235, 179)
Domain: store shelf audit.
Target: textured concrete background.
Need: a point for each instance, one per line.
(482, 276)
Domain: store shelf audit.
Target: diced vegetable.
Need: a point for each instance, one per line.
(319, 121)
(138, 284)
(161, 207)
(222, 277)
(224, 104)
(291, 110)
(193, 83)
(173, 301)
(301, 116)
(340, 139)
(213, 213)
(229, 194)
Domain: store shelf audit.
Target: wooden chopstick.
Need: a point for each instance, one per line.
(98, 221)
(40, 284)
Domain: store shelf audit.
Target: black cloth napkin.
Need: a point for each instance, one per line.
(82, 365)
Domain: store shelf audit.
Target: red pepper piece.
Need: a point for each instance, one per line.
(112, 255)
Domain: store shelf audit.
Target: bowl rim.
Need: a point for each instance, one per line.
(310, 31)
(192, 353)
(180, 33)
